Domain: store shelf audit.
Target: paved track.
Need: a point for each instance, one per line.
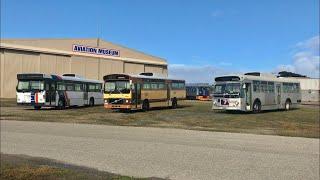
(166, 153)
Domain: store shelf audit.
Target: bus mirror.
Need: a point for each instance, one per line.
(244, 86)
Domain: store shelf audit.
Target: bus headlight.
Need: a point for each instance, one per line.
(106, 101)
(127, 101)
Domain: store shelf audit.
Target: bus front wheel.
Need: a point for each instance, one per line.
(145, 105)
(256, 107)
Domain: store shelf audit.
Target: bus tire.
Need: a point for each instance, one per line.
(256, 106)
(287, 105)
(174, 103)
(91, 101)
(37, 107)
(145, 105)
(61, 104)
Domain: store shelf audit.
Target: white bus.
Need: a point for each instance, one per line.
(44, 90)
(255, 92)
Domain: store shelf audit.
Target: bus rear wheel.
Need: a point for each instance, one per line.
(91, 102)
(174, 103)
(145, 105)
(256, 107)
(61, 104)
(37, 107)
(287, 105)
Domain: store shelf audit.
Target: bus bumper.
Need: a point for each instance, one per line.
(227, 108)
(31, 104)
(118, 106)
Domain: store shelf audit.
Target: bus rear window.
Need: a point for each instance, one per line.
(30, 85)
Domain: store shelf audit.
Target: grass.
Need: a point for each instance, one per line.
(21, 167)
(301, 122)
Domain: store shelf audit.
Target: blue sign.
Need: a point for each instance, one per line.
(95, 50)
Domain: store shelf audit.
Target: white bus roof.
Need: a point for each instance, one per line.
(146, 77)
(268, 77)
(55, 76)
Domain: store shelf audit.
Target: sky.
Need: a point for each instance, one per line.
(200, 39)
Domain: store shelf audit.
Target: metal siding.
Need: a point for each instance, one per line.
(92, 68)
(63, 65)
(12, 66)
(78, 65)
(1, 73)
(48, 63)
(109, 67)
(165, 71)
(132, 68)
(158, 70)
(30, 63)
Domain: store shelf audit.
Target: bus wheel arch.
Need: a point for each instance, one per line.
(174, 103)
(256, 108)
(37, 107)
(91, 101)
(61, 103)
(287, 104)
(145, 105)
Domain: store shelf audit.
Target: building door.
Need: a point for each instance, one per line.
(278, 95)
(248, 94)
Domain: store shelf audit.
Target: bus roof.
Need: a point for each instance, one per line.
(142, 77)
(241, 77)
(28, 76)
(198, 85)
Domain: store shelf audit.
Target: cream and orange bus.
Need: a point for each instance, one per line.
(144, 91)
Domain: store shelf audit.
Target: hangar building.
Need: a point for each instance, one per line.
(90, 58)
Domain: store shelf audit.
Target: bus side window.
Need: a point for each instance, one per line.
(70, 87)
(92, 88)
(256, 86)
(78, 87)
(98, 87)
(61, 87)
(47, 86)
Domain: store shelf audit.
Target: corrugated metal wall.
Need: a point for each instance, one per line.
(2, 72)
(109, 67)
(154, 69)
(132, 68)
(14, 62)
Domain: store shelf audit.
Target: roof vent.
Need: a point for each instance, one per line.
(253, 74)
(146, 74)
(72, 75)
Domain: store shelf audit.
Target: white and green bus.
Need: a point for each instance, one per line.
(255, 92)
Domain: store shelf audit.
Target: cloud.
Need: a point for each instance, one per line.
(306, 59)
(196, 73)
(216, 13)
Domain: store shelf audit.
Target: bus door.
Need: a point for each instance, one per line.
(85, 93)
(136, 95)
(51, 92)
(278, 90)
(168, 93)
(248, 96)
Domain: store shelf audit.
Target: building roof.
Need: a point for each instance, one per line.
(65, 47)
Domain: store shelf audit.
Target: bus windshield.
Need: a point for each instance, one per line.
(26, 85)
(228, 88)
(117, 87)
